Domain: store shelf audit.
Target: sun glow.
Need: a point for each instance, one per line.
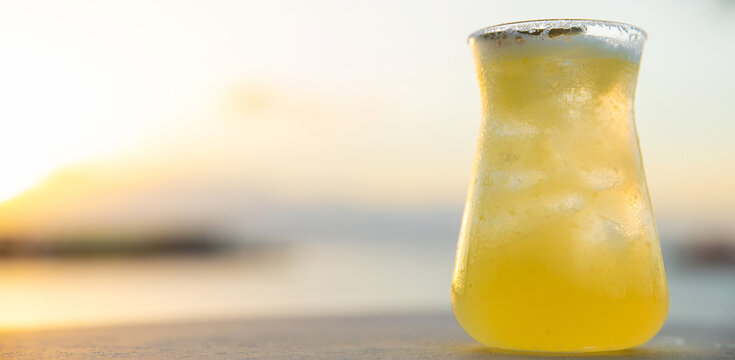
(67, 95)
(21, 180)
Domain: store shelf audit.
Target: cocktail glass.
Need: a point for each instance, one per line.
(558, 249)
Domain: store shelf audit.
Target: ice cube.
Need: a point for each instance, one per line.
(516, 179)
(513, 129)
(564, 202)
(618, 223)
(602, 178)
(611, 231)
(576, 95)
(596, 229)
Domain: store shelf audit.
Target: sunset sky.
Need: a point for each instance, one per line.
(115, 108)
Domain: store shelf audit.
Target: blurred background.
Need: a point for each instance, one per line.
(176, 161)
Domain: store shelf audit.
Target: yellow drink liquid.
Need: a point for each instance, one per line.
(558, 249)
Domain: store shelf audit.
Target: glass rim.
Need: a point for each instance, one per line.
(606, 28)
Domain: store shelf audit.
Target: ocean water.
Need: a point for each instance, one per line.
(308, 278)
(297, 279)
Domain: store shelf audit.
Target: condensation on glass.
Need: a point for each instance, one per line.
(558, 249)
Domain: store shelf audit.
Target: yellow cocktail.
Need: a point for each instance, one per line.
(558, 249)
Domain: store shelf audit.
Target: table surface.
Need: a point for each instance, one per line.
(428, 336)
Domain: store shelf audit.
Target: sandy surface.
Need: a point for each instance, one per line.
(376, 337)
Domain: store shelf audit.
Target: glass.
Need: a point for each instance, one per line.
(558, 249)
